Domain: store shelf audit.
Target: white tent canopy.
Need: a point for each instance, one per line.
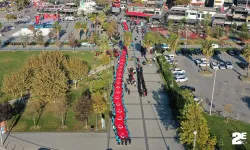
(27, 32)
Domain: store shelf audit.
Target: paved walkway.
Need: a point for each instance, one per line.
(149, 118)
(55, 141)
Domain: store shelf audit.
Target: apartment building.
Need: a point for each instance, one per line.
(192, 14)
(237, 15)
(153, 9)
(218, 3)
(197, 2)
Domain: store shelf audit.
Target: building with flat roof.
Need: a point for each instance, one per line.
(150, 8)
(192, 14)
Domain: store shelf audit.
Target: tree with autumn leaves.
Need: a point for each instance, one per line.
(45, 78)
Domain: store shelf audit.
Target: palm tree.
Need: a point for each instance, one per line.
(127, 38)
(57, 27)
(78, 26)
(148, 40)
(85, 27)
(94, 19)
(246, 54)
(103, 43)
(174, 42)
(102, 17)
(207, 49)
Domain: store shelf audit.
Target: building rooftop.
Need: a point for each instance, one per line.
(136, 4)
(221, 15)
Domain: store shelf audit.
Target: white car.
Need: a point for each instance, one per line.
(198, 99)
(222, 65)
(178, 70)
(204, 64)
(215, 46)
(122, 7)
(214, 65)
(185, 79)
(179, 75)
(197, 61)
(229, 65)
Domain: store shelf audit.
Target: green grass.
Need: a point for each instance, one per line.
(51, 123)
(223, 131)
(10, 61)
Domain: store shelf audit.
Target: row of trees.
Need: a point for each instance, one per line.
(94, 100)
(45, 77)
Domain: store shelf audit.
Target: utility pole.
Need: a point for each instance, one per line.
(210, 111)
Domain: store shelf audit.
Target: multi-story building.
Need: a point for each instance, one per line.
(86, 6)
(244, 2)
(153, 9)
(197, 2)
(237, 15)
(218, 3)
(192, 14)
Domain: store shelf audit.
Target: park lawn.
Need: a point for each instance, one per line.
(10, 61)
(49, 122)
(223, 131)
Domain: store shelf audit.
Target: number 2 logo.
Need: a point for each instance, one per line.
(236, 138)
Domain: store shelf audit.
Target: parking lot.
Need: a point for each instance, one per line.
(228, 89)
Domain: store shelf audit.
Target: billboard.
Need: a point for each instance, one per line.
(116, 10)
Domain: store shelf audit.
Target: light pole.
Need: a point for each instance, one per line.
(212, 94)
(195, 132)
(1, 136)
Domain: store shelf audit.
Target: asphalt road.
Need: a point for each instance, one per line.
(228, 88)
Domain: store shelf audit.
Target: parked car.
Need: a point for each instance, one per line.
(197, 61)
(178, 70)
(214, 65)
(179, 75)
(170, 56)
(243, 65)
(215, 46)
(222, 65)
(85, 44)
(185, 79)
(198, 99)
(217, 52)
(164, 46)
(197, 51)
(178, 52)
(186, 87)
(230, 52)
(229, 65)
(236, 52)
(204, 64)
(174, 62)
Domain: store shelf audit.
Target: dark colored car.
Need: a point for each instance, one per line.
(178, 52)
(243, 65)
(236, 52)
(197, 51)
(217, 52)
(184, 51)
(230, 52)
(190, 52)
(186, 87)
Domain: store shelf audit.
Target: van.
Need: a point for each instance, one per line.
(87, 44)
(215, 46)
(69, 18)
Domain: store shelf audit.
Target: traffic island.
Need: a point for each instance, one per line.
(205, 72)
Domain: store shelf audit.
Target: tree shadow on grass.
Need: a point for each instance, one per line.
(17, 111)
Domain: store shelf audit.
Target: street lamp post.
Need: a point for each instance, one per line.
(195, 132)
(210, 111)
(1, 136)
